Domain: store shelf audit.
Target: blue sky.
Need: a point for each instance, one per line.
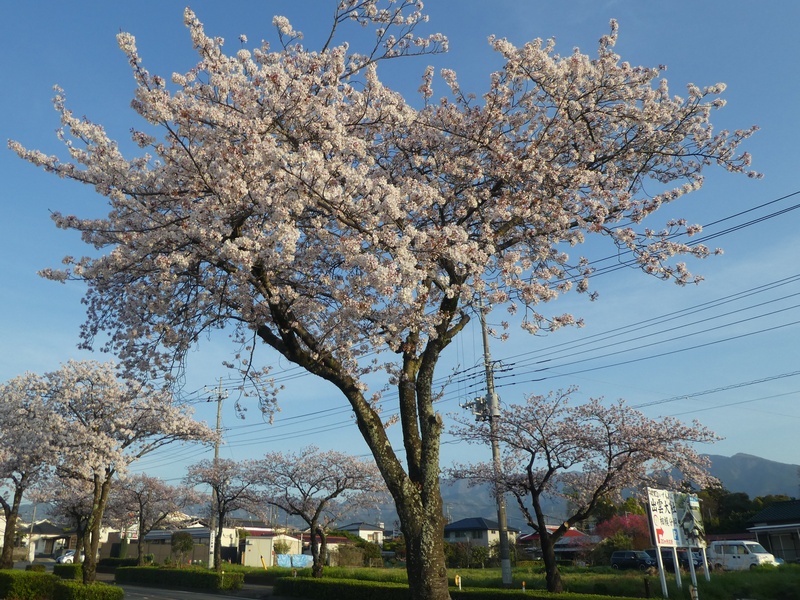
(724, 352)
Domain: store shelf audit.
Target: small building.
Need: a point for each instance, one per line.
(777, 528)
(573, 545)
(47, 539)
(259, 550)
(477, 531)
(366, 531)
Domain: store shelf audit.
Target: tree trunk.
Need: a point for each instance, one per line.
(415, 489)
(552, 573)
(11, 513)
(91, 542)
(140, 542)
(423, 529)
(218, 544)
(316, 554)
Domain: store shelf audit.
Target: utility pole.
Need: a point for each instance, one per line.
(221, 395)
(488, 409)
(494, 417)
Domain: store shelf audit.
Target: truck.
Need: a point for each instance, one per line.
(738, 555)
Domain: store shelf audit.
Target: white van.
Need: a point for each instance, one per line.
(737, 555)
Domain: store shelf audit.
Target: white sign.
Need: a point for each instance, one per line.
(676, 518)
(662, 514)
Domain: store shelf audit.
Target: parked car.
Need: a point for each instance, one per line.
(683, 558)
(738, 555)
(632, 559)
(68, 557)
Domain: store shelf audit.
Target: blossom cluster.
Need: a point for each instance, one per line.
(296, 198)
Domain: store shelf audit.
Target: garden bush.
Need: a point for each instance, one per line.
(192, 578)
(75, 590)
(26, 585)
(38, 567)
(69, 571)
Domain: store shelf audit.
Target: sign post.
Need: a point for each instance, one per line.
(676, 522)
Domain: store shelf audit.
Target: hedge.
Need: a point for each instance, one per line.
(354, 589)
(26, 585)
(73, 571)
(193, 579)
(75, 590)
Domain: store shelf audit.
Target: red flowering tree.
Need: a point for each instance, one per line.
(635, 527)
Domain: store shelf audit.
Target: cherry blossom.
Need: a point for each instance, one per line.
(584, 454)
(26, 448)
(233, 486)
(320, 488)
(102, 424)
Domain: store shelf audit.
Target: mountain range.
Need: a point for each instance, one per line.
(756, 476)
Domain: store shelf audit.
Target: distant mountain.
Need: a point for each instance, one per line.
(756, 476)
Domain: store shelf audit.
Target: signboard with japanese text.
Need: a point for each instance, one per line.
(676, 519)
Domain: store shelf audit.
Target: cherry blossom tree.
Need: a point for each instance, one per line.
(25, 449)
(320, 488)
(151, 501)
(233, 486)
(70, 502)
(295, 199)
(585, 454)
(105, 424)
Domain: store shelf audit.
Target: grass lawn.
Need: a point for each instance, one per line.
(768, 583)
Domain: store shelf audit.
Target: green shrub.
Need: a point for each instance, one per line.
(38, 567)
(27, 585)
(74, 590)
(69, 571)
(191, 578)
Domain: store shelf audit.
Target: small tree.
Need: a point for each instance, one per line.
(181, 544)
(281, 547)
(152, 501)
(586, 454)
(26, 451)
(232, 484)
(319, 487)
(634, 526)
(105, 424)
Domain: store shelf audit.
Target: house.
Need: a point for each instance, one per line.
(777, 528)
(571, 546)
(477, 531)
(47, 539)
(366, 531)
